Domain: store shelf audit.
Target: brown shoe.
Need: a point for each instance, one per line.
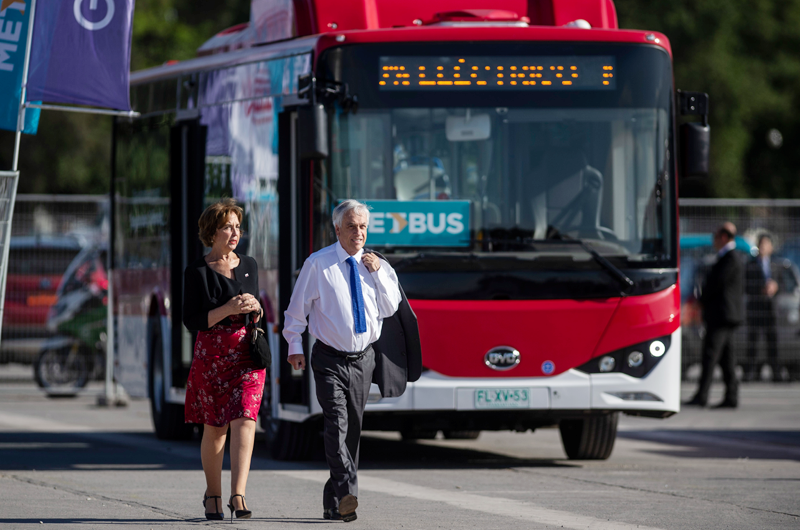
(347, 508)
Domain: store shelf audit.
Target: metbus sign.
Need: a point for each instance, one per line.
(419, 223)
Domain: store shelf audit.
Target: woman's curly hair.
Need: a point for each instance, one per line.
(214, 217)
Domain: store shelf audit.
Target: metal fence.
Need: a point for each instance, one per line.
(767, 346)
(48, 232)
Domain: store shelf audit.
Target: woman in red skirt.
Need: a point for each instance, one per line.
(224, 387)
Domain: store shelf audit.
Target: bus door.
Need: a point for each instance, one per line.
(295, 192)
(187, 171)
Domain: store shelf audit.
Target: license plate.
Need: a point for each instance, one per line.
(502, 398)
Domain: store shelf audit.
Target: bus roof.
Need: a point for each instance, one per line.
(319, 43)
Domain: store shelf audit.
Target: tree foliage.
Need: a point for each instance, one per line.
(744, 53)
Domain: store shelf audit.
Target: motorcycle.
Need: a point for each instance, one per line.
(75, 355)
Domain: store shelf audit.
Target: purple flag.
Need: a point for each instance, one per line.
(81, 53)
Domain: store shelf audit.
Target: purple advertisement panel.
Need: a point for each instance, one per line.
(81, 52)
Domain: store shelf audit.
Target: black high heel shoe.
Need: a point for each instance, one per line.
(213, 516)
(240, 514)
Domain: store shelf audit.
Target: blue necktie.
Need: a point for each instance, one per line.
(357, 299)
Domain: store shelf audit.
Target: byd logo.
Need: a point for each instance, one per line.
(416, 222)
(502, 358)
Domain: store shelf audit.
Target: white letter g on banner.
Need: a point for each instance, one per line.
(88, 24)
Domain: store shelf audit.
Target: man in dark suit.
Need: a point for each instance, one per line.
(761, 286)
(721, 301)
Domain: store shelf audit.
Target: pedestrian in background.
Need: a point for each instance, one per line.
(761, 287)
(224, 387)
(721, 301)
(346, 294)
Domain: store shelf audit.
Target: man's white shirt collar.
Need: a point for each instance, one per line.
(342, 254)
(724, 250)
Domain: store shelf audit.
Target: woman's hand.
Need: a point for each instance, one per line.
(242, 304)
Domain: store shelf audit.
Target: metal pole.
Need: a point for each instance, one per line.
(15, 164)
(84, 110)
(25, 66)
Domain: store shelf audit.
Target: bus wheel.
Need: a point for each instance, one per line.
(412, 435)
(168, 418)
(590, 438)
(461, 435)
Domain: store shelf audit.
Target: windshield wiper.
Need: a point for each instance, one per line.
(627, 284)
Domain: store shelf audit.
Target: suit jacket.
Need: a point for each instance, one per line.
(398, 353)
(759, 303)
(723, 293)
(205, 289)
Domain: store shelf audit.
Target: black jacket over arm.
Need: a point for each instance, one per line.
(398, 353)
(723, 294)
(205, 289)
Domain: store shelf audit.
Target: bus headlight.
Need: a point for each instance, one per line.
(607, 363)
(636, 360)
(657, 348)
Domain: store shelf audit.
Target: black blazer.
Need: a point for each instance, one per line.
(398, 353)
(754, 282)
(205, 289)
(723, 293)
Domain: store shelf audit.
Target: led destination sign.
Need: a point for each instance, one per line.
(591, 72)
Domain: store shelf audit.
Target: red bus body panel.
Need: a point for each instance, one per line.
(319, 16)
(456, 335)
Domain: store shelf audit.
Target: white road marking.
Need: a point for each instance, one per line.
(469, 501)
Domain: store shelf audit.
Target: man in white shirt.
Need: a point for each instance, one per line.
(346, 294)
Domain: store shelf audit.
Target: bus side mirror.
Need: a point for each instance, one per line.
(695, 137)
(312, 132)
(312, 121)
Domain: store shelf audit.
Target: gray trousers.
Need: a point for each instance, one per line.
(342, 391)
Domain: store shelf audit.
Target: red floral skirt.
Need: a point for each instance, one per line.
(223, 385)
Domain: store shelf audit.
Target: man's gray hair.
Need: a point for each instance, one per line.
(345, 206)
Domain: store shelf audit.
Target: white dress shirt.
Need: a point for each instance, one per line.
(322, 293)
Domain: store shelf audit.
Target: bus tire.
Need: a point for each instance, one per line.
(412, 435)
(461, 435)
(589, 438)
(168, 418)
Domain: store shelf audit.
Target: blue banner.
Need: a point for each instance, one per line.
(81, 52)
(419, 223)
(13, 36)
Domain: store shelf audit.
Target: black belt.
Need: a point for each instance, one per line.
(347, 355)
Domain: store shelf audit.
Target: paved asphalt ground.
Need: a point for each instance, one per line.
(66, 463)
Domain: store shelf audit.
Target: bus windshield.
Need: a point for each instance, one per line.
(530, 179)
(476, 164)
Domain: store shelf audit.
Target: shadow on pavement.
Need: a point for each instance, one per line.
(150, 522)
(758, 445)
(380, 453)
(77, 451)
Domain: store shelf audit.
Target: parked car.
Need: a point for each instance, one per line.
(36, 265)
(697, 257)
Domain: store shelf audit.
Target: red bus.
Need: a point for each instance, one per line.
(520, 161)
